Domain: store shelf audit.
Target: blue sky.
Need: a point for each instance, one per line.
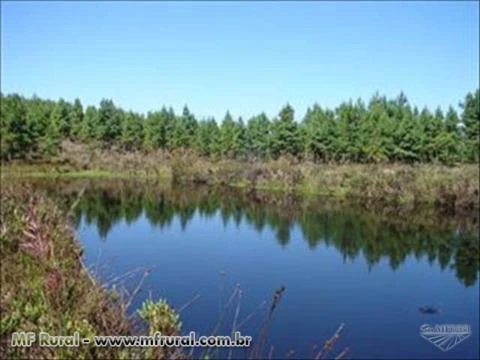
(247, 57)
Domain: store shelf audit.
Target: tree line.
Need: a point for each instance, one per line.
(378, 131)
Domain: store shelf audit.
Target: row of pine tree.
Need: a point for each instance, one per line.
(382, 130)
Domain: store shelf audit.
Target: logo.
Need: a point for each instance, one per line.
(445, 336)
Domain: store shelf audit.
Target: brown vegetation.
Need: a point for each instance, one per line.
(449, 188)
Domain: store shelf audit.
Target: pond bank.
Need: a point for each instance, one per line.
(450, 188)
(45, 286)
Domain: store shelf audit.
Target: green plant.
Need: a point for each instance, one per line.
(161, 317)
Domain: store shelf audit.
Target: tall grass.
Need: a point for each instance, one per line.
(451, 188)
(45, 286)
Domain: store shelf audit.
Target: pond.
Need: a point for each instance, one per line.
(340, 263)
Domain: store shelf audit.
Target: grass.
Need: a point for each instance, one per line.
(453, 188)
(446, 186)
(71, 174)
(45, 286)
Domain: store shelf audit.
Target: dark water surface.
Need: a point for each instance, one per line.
(338, 262)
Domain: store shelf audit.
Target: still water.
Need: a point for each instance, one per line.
(339, 263)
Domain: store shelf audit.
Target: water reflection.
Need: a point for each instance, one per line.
(392, 234)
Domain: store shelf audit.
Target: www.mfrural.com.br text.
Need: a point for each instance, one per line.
(44, 339)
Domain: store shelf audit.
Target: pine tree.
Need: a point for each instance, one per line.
(432, 126)
(179, 136)
(61, 116)
(207, 138)
(227, 136)
(407, 134)
(156, 129)
(131, 136)
(320, 133)
(471, 124)
(50, 142)
(258, 136)
(349, 116)
(190, 125)
(448, 140)
(76, 120)
(15, 135)
(38, 117)
(87, 131)
(375, 133)
(108, 122)
(285, 134)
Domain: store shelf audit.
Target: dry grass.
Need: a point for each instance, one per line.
(452, 188)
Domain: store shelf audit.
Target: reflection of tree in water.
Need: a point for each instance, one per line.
(466, 259)
(283, 233)
(257, 218)
(352, 231)
(132, 207)
(102, 209)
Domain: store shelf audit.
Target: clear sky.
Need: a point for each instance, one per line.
(248, 57)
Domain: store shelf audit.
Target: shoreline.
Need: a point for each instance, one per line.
(47, 288)
(452, 188)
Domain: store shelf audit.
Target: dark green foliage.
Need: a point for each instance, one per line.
(87, 128)
(131, 136)
(16, 135)
(375, 129)
(449, 141)
(382, 131)
(285, 134)
(319, 134)
(207, 141)
(38, 120)
(181, 130)
(76, 120)
(232, 137)
(407, 138)
(50, 141)
(156, 127)
(471, 123)
(189, 123)
(61, 116)
(349, 117)
(108, 122)
(257, 137)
